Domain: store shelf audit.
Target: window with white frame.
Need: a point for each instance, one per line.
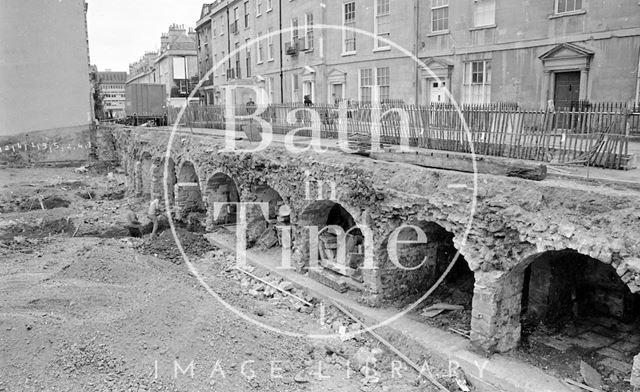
(269, 5)
(366, 84)
(270, 89)
(294, 31)
(484, 13)
(378, 78)
(236, 22)
(246, 14)
(308, 31)
(258, 7)
(270, 45)
(477, 82)
(247, 58)
(308, 89)
(439, 15)
(349, 20)
(383, 83)
(563, 6)
(382, 23)
(295, 88)
(260, 48)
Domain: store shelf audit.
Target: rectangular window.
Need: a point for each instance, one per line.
(349, 21)
(563, 6)
(270, 89)
(270, 45)
(382, 23)
(260, 48)
(295, 88)
(258, 7)
(246, 14)
(247, 56)
(237, 48)
(269, 5)
(439, 15)
(375, 78)
(383, 83)
(294, 32)
(366, 84)
(477, 82)
(484, 13)
(234, 27)
(308, 31)
(213, 28)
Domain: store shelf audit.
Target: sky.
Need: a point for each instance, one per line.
(121, 31)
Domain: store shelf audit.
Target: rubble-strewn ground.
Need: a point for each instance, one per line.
(85, 308)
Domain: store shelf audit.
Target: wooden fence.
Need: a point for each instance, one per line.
(585, 137)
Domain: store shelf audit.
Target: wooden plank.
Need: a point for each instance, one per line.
(464, 163)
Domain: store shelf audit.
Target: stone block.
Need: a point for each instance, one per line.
(635, 372)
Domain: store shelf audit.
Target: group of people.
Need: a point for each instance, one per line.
(133, 223)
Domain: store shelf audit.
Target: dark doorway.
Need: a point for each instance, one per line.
(567, 90)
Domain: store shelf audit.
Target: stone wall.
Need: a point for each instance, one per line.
(498, 227)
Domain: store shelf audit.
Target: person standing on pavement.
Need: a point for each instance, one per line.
(153, 213)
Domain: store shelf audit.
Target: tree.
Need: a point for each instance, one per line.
(98, 105)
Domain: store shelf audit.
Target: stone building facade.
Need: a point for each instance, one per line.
(482, 51)
(112, 89)
(175, 65)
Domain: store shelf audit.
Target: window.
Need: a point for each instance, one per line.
(382, 81)
(295, 88)
(477, 82)
(349, 21)
(308, 31)
(246, 14)
(247, 48)
(439, 15)
(258, 7)
(308, 89)
(484, 13)
(237, 48)
(294, 31)
(234, 28)
(215, 64)
(371, 78)
(269, 5)
(270, 89)
(260, 48)
(563, 6)
(213, 28)
(382, 22)
(366, 84)
(270, 44)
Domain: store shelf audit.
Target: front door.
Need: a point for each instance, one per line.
(567, 90)
(336, 92)
(437, 91)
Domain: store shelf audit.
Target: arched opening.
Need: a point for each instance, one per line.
(423, 252)
(145, 175)
(341, 275)
(262, 229)
(222, 189)
(575, 308)
(189, 204)
(157, 180)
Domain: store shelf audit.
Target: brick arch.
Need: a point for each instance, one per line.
(498, 299)
(220, 187)
(188, 197)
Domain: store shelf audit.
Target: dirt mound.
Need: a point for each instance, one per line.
(165, 247)
(94, 265)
